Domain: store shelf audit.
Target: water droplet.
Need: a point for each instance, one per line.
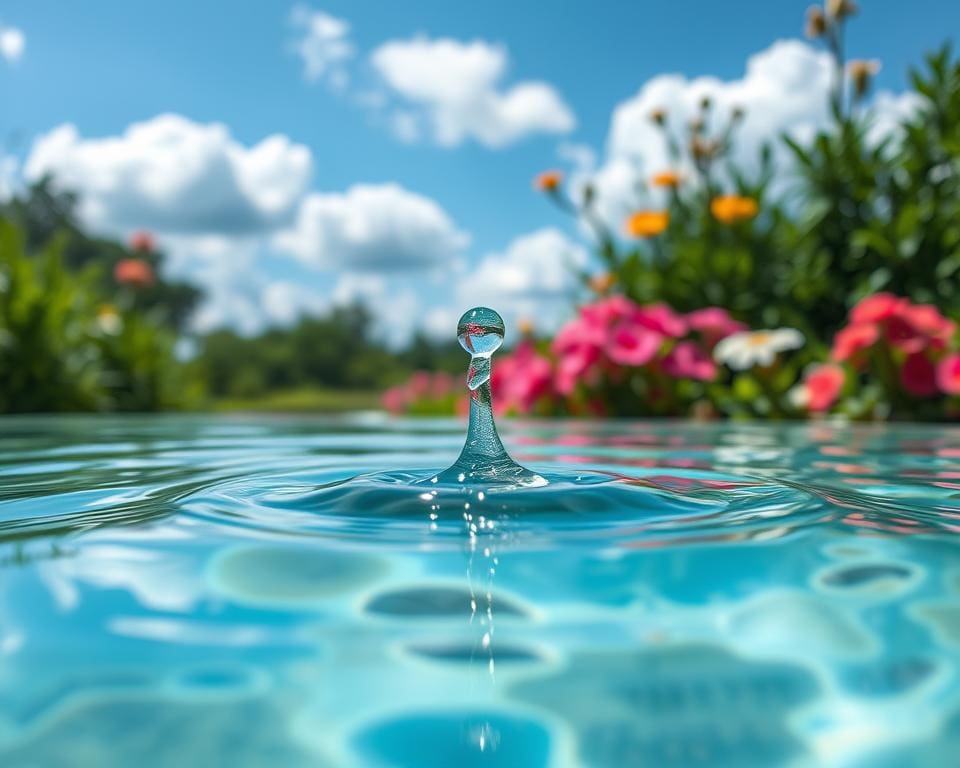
(483, 459)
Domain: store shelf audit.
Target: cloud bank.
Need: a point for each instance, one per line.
(323, 44)
(784, 90)
(372, 227)
(12, 43)
(172, 175)
(454, 91)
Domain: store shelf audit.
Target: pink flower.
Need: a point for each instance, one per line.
(420, 385)
(687, 361)
(603, 313)
(577, 347)
(662, 319)
(876, 308)
(441, 385)
(633, 345)
(574, 366)
(714, 323)
(948, 374)
(852, 339)
(918, 376)
(394, 400)
(823, 385)
(521, 379)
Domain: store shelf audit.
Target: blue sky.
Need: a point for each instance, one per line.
(103, 66)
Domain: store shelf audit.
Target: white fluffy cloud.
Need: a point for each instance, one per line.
(372, 227)
(532, 279)
(284, 301)
(8, 176)
(784, 90)
(172, 175)
(456, 88)
(12, 43)
(324, 45)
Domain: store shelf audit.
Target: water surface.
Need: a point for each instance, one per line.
(196, 591)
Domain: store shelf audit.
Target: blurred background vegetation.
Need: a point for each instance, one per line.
(90, 323)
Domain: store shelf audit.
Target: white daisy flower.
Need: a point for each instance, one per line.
(749, 348)
(109, 322)
(799, 396)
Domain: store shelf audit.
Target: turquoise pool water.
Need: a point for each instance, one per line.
(198, 592)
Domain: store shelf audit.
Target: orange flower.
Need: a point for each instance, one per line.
(548, 181)
(133, 272)
(731, 209)
(142, 241)
(603, 282)
(669, 179)
(647, 223)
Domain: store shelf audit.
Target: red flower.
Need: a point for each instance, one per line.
(688, 361)
(899, 332)
(142, 241)
(876, 308)
(948, 374)
(918, 376)
(852, 339)
(927, 318)
(823, 385)
(133, 272)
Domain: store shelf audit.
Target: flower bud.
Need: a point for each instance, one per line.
(816, 22)
(861, 73)
(841, 9)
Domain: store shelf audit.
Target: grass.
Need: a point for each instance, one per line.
(303, 400)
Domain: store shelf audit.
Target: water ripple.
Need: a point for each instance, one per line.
(633, 484)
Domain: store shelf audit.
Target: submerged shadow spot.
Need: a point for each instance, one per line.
(867, 573)
(276, 575)
(679, 706)
(890, 678)
(435, 602)
(457, 739)
(465, 653)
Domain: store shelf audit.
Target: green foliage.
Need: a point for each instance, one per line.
(883, 215)
(63, 349)
(338, 350)
(864, 211)
(44, 213)
(48, 358)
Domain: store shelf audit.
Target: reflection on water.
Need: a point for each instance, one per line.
(190, 591)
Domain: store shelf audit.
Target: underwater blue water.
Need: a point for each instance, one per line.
(191, 591)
